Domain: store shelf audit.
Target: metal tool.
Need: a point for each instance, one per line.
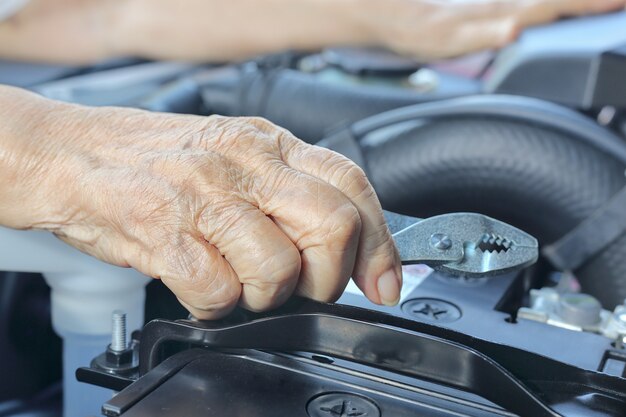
(467, 244)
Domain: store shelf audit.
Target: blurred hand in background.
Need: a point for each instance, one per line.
(85, 31)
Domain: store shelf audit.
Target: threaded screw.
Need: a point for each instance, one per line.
(118, 335)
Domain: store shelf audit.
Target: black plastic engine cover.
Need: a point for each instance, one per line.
(405, 362)
(259, 384)
(578, 63)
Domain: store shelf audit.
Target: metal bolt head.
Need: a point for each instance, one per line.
(432, 309)
(342, 404)
(440, 241)
(424, 80)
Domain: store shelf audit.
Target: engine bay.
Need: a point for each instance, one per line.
(533, 136)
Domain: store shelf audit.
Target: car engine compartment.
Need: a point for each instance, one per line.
(533, 136)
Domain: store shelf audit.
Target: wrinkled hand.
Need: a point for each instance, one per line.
(223, 210)
(432, 29)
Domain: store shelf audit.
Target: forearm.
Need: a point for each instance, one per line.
(60, 31)
(85, 31)
(217, 30)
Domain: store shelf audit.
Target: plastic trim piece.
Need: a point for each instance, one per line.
(390, 343)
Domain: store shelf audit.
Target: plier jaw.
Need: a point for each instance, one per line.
(467, 244)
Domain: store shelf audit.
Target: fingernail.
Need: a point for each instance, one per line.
(389, 288)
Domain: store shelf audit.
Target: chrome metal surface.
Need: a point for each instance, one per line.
(466, 244)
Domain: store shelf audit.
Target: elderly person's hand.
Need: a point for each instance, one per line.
(223, 210)
(84, 31)
(433, 29)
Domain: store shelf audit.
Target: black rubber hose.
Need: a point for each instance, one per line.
(302, 103)
(540, 179)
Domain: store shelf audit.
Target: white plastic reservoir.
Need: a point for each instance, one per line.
(85, 291)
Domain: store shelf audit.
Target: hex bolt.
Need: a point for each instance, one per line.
(440, 241)
(118, 335)
(120, 357)
(424, 80)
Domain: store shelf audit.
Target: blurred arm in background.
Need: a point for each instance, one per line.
(86, 31)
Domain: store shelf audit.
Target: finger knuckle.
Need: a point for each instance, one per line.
(260, 124)
(222, 219)
(226, 294)
(279, 268)
(343, 226)
(382, 243)
(275, 280)
(199, 276)
(231, 135)
(273, 180)
(354, 180)
(209, 293)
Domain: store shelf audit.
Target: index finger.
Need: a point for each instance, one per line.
(377, 271)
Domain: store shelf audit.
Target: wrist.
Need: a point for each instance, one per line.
(34, 164)
(356, 15)
(204, 28)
